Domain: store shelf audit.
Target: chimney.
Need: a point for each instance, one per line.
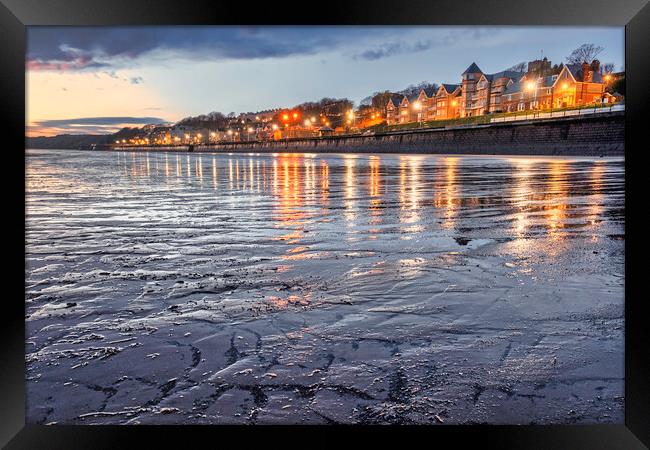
(586, 72)
(595, 66)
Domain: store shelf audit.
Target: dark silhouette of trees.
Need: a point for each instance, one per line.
(584, 53)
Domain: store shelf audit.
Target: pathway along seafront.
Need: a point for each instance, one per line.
(323, 288)
(601, 134)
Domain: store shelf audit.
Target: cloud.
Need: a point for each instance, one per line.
(89, 125)
(394, 48)
(65, 49)
(136, 80)
(108, 49)
(441, 39)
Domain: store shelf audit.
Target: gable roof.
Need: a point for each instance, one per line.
(412, 97)
(449, 88)
(513, 88)
(429, 92)
(473, 68)
(505, 74)
(396, 99)
(576, 72)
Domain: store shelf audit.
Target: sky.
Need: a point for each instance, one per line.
(98, 79)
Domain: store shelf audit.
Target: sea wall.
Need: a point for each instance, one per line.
(593, 135)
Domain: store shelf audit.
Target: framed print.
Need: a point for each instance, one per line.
(369, 214)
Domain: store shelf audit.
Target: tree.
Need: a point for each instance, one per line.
(415, 89)
(608, 67)
(380, 100)
(519, 67)
(619, 86)
(584, 53)
(367, 101)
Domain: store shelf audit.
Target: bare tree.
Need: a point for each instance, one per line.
(519, 67)
(584, 53)
(608, 67)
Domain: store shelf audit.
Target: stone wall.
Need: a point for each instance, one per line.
(594, 135)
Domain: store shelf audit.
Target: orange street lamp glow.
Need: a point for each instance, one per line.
(274, 126)
(607, 77)
(285, 117)
(313, 119)
(530, 85)
(417, 105)
(565, 85)
(454, 103)
(250, 129)
(307, 123)
(230, 132)
(295, 115)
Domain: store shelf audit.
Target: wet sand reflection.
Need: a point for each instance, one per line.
(415, 195)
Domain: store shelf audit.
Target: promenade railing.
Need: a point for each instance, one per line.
(550, 114)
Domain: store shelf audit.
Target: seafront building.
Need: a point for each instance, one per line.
(541, 86)
(534, 86)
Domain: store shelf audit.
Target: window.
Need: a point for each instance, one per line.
(520, 107)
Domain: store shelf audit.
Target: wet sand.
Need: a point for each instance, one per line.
(200, 288)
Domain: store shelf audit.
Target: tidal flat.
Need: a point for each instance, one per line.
(167, 288)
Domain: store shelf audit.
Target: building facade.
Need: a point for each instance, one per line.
(575, 85)
(448, 101)
(542, 86)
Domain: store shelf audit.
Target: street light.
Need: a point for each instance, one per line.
(418, 107)
(532, 86)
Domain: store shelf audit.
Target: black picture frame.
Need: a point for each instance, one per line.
(16, 15)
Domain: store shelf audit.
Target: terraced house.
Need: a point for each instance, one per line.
(482, 92)
(540, 87)
(448, 101)
(392, 109)
(426, 104)
(575, 85)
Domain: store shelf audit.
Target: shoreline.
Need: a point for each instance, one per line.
(602, 135)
